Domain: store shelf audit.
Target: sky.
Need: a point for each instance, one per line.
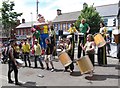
(48, 8)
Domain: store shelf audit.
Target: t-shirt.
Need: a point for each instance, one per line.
(83, 27)
(37, 49)
(49, 49)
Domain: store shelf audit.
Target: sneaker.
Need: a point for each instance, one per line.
(52, 70)
(18, 83)
(71, 71)
(10, 81)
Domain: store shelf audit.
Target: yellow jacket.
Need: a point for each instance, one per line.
(72, 30)
(26, 48)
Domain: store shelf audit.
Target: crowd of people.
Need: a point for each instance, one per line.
(86, 45)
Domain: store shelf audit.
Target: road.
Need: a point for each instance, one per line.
(103, 76)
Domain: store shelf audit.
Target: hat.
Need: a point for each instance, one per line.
(36, 40)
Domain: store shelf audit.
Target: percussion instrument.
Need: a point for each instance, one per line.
(116, 34)
(84, 64)
(19, 62)
(64, 58)
(99, 40)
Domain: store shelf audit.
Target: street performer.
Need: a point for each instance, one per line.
(102, 58)
(12, 64)
(84, 29)
(72, 30)
(69, 49)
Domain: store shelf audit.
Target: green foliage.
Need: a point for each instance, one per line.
(92, 18)
(9, 17)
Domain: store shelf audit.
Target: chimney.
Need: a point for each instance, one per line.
(18, 22)
(23, 20)
(59, 12)
(85, 5)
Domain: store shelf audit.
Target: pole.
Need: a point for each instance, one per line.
(37, 9)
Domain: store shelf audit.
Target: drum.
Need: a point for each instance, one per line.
(19, 62)
(84, 64)
(99, 40)
(116, 34)
(64, 58)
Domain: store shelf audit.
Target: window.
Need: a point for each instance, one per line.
(105, 22)
(69, 25)
(63, 27)
(18, 32)
(58, 26)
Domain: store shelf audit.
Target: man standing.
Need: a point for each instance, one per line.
(37, 49)
(84, 29)
(26, 51)
(12, 64)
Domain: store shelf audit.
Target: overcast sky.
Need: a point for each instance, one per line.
(48, 7)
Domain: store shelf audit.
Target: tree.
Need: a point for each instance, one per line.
(92, 18)
(9, 17)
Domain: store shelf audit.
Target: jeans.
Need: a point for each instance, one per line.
(36, 58)
(12, 67)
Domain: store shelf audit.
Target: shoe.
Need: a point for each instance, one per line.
(71, 71)
(10, 81)
(47, 68)
(52, 70)
(42, 68)
(35, 67)
(18, 83)
(66, 70)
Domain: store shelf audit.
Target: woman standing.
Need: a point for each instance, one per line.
(102, 58)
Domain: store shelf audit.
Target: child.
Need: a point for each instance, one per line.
(69, 51)
(89, 48)
(48, 54)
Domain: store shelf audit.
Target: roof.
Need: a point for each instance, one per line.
(67, 17)
(104, 10)
(29, 24)
(108, 10)
(25, 25)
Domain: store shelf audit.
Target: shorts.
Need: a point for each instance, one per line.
(48, 58)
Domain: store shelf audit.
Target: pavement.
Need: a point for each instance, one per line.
(103, 75)
(108, 75)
